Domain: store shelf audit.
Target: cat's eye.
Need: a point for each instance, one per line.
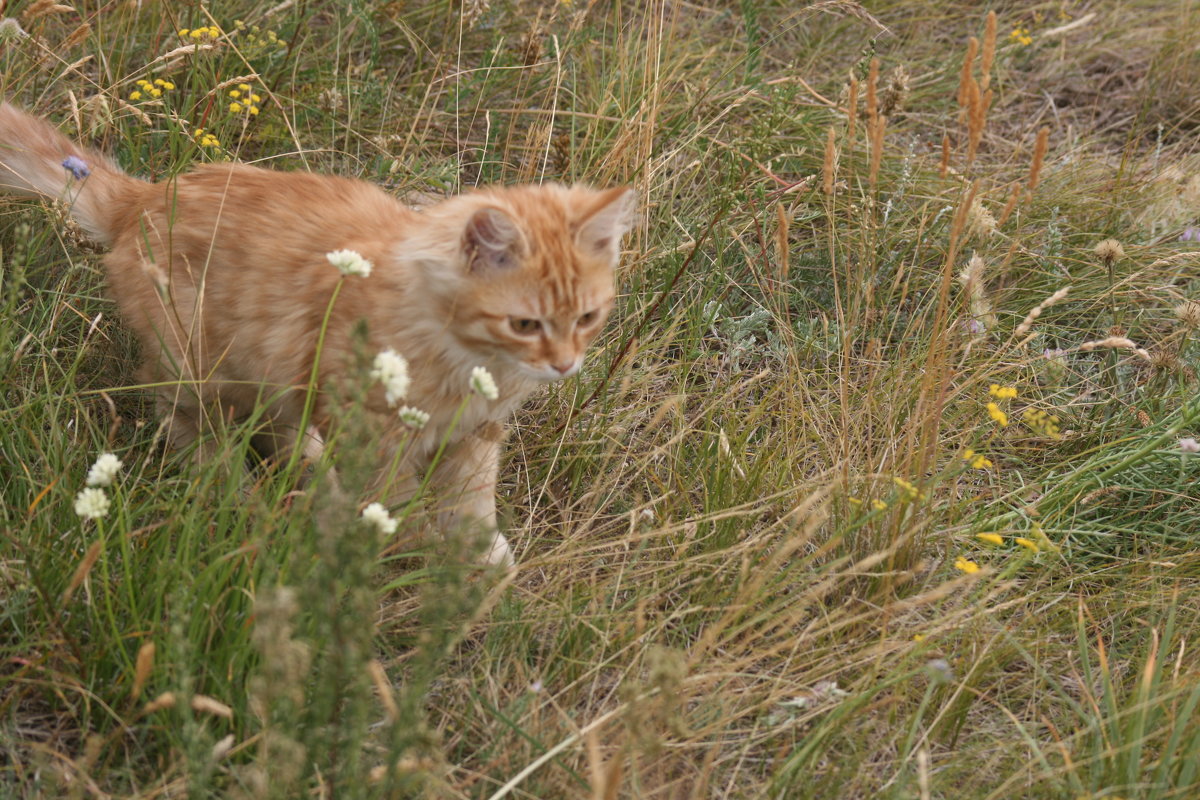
(524, 327)
(586, 319)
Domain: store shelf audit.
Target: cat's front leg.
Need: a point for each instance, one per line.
(465, 483)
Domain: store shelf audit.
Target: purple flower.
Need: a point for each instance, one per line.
(76, 166)
(1190, 235)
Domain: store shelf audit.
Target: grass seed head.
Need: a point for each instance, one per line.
(829, 168)
(895, 92)
(1188, 314)
(11, 30)
(989, 51)
(1037, 310)
(1109, 251)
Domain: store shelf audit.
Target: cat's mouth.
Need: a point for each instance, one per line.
(548, 373)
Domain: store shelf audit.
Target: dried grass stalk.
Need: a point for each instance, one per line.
(203, 704)
(829, 168)
(81, 572)
(781, 240)
(877, 127)
(978, 103)
(141, 669)
(1013, 197)
(989, 51)
(965, 76)
(1039, 155)
(1116, 343)
(1032, 316)
(384, 689)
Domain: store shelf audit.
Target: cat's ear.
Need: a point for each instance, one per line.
(492, 241)
(610, 216)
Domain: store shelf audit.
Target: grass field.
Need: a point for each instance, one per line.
(878, 484)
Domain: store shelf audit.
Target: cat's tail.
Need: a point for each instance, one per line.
(36, 160)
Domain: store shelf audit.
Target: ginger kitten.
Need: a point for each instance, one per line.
(222, 273)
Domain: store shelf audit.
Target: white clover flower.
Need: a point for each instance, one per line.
(483, 384)
(1189, 445)
(414, 417)
(104, 471)
(92, 503)
(391, 370)
(375, 514)
(349, 262)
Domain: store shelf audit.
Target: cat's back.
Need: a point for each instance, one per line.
(254, 239)
(220, 196)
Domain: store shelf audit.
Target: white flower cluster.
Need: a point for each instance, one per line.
(104, 471)
(349, 262)
(391, 370)
(376, 515)
(414, 417)
(483, 384)
(92, 502)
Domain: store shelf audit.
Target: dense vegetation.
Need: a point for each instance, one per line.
(881, 482)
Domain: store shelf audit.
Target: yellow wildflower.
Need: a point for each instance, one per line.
(1002, 392)
(148, 88)
(1020, 36)
(235, 107)
(997, 415)
(855, 501)
(245, 87)
(976, 460)
(253, 110)
(197, 34)
(1043, 541)
(908, 492)
(966, 565)
(990, 538)
(1027, 544)
(878, 504)
(1041, 423)
(918, 637)
(205, 139)
(235, 94)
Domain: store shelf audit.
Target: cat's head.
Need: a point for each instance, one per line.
(536, 274)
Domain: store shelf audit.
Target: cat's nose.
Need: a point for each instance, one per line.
(565, 368)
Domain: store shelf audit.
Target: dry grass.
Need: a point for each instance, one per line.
(738, 531)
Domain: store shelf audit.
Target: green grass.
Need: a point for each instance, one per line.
(724, 589)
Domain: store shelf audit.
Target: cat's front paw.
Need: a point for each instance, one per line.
(499, 554)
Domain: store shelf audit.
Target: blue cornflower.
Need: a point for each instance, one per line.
(76, 166)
